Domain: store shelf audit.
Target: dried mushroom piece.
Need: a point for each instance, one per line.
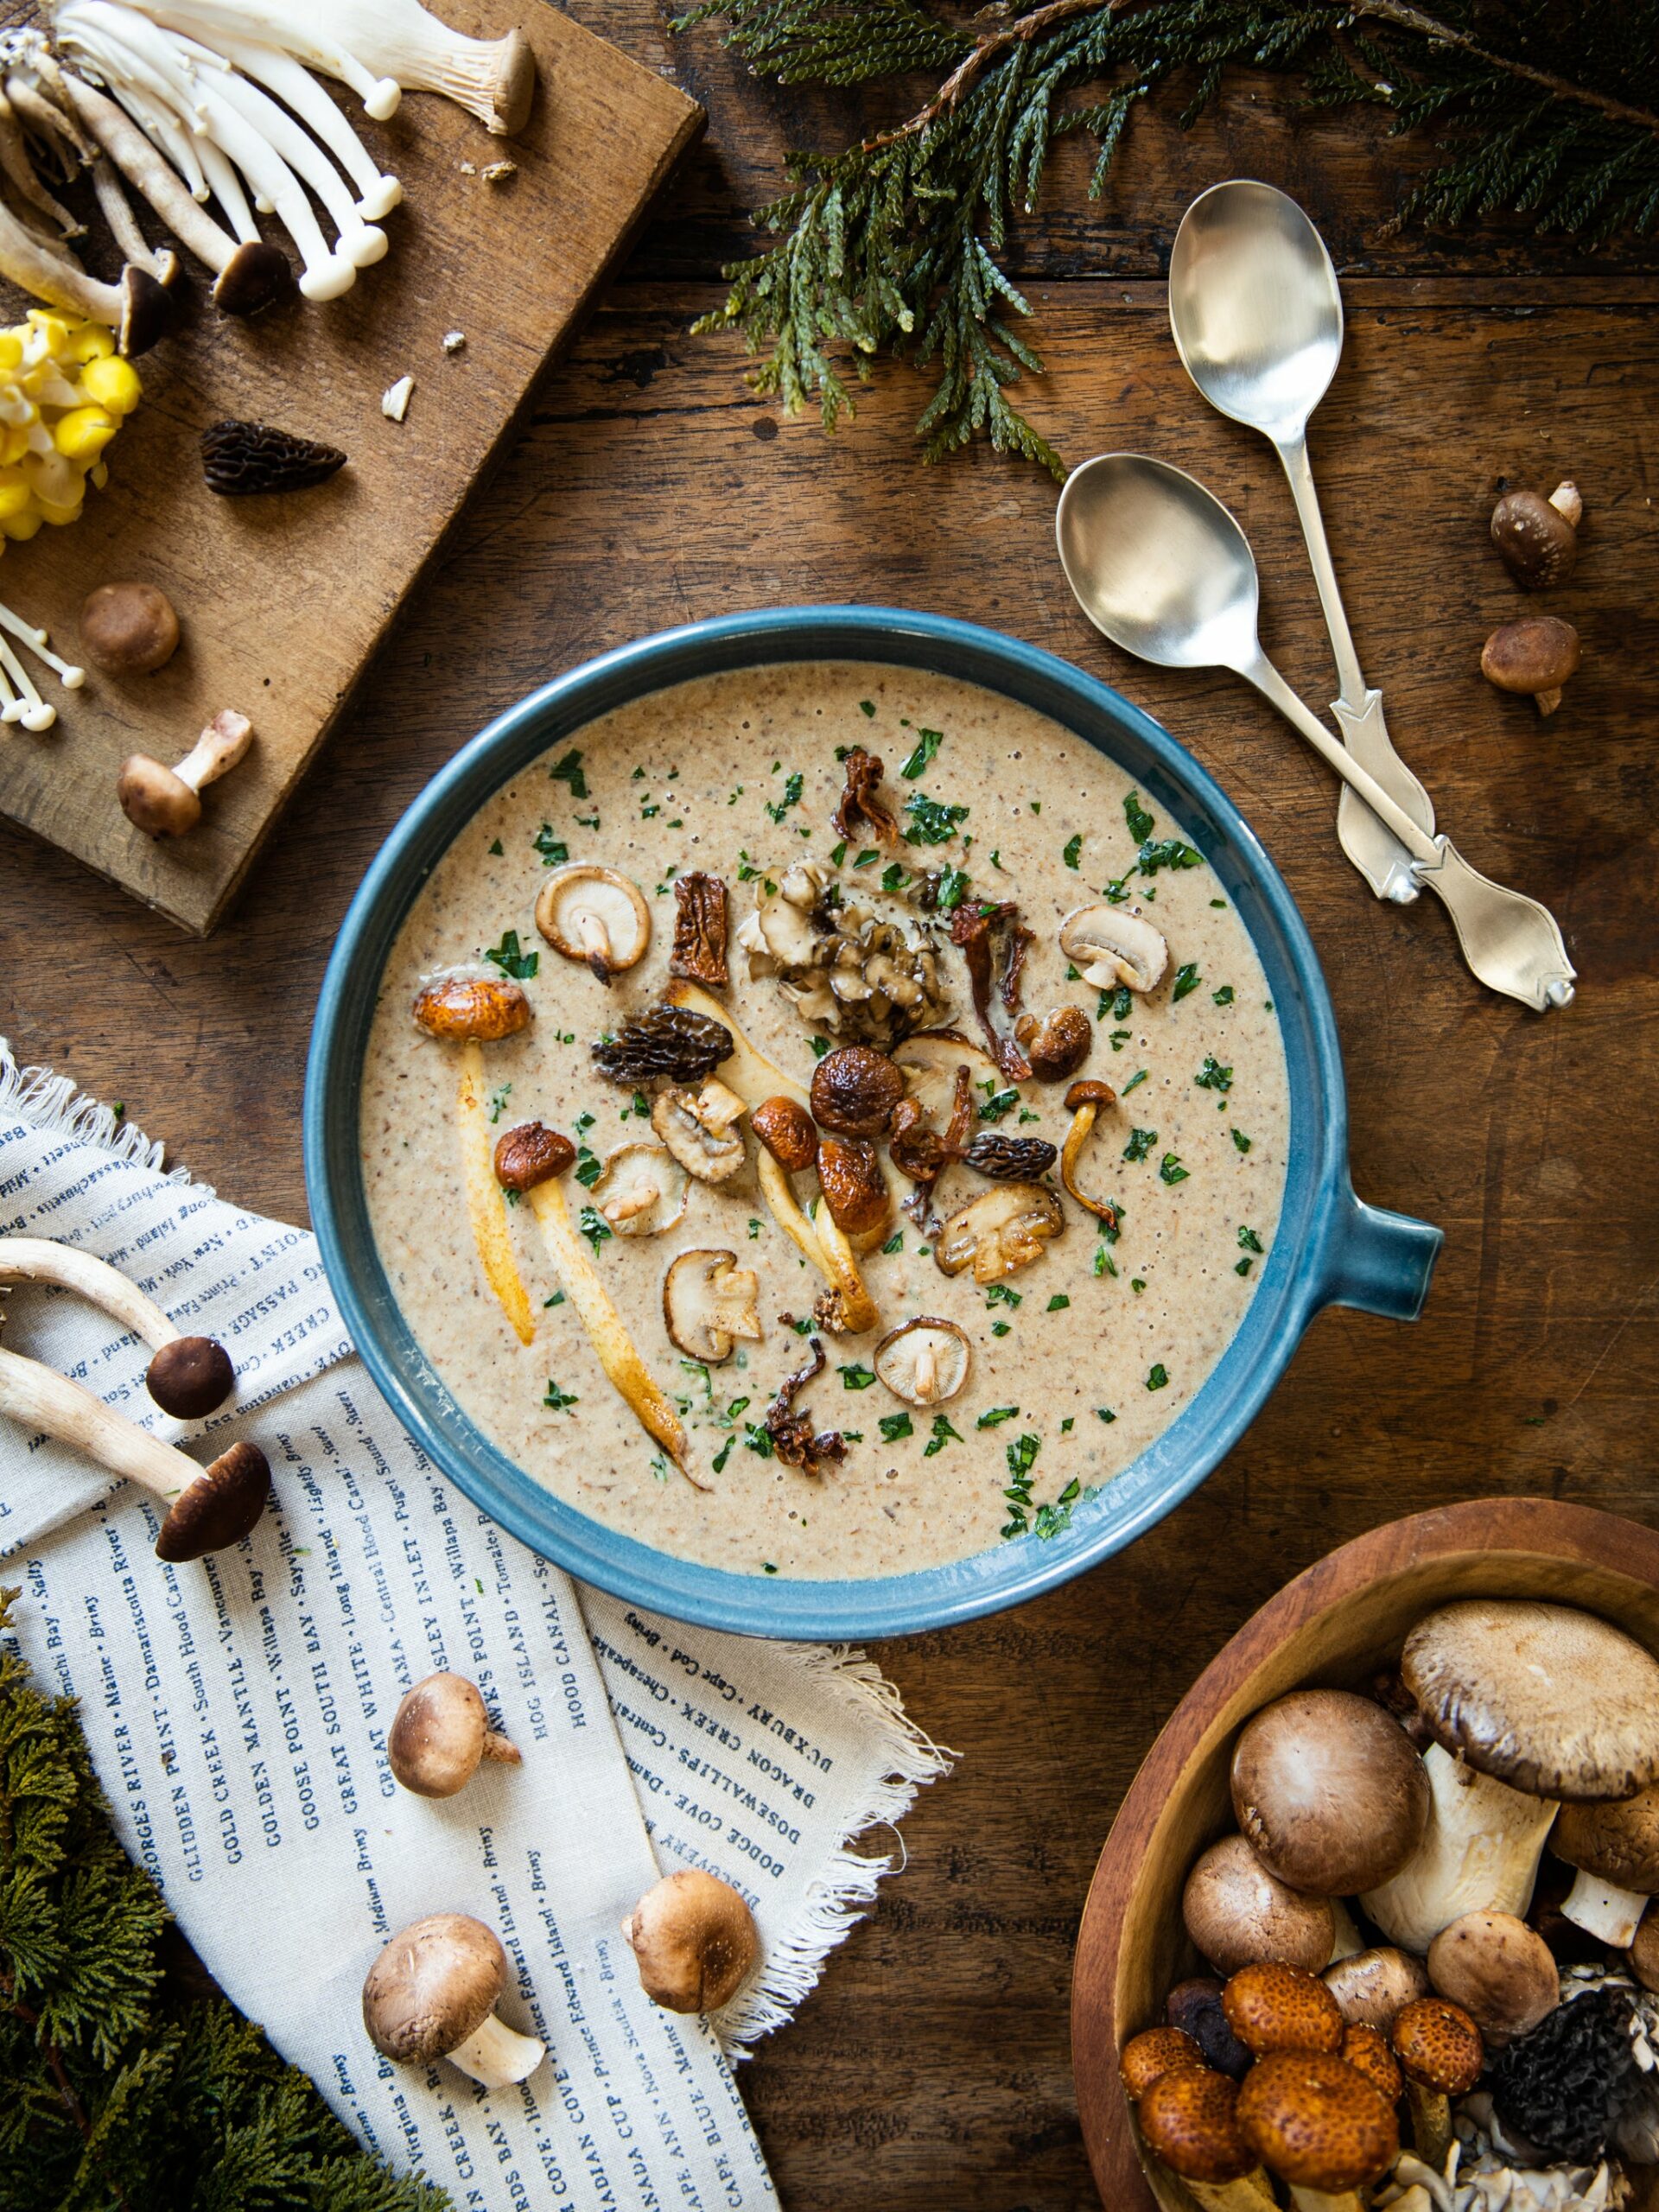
(241, 459)
(792, 1436)
(1108, 945)
(999, 1232)
(858, 808)
(994, 942)
(482, 1008)
(594, 915)
(923, 1362)
(665, 1041)
(708, 1301)
(642, 1189)
(867, 970)
(701, 1131)
(699, 952)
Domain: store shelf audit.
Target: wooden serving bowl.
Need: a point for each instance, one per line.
(1334, 1625)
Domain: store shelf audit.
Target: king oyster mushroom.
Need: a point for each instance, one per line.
(641, 1190)
(708, 1301)
(1480, 1853)
(867, 970)
(701, 1131)
(1000, 1231)
(1109, 945)
(923, 1362)
(594, 915)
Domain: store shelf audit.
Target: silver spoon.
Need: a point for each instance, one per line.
(1257, 317)
(1161, 567)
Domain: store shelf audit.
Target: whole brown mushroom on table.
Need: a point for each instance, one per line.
(167, 801)
(1538, 538)
(129, 629)
(1534, 656)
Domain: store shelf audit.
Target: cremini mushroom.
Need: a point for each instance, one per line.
(854, 1089)
(701, 1131)
(929, 1061)
(642, 1189)
(923, 1362)
(1615, 1849)
(189, 1377)
(1535, 656)
(594, 915)
(708, 1301)
(1056, 1044)
(786, 1130)
(1501, 1972)
(1271, 2006)
(166, 801)
(693, 1940)
(1370, 1986)
(1319, 2125)
(439, 1735)
(1108, 945)
(1441, 2053)
(1000, 1231)
(1146, 2058)
(1085, 1101)
(432, 1994)
(1480, 1853)
(1329, 1791)
(855, 1189)
(1537, 537)
(1188, 2118)
(208, 1508)
(1644, 1952)
(463, 1006)
(1236, 1912)
(129, 629)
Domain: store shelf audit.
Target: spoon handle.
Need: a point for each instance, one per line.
(1273, 687)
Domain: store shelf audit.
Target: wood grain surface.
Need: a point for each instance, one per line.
(282, 599)
(931, 2071)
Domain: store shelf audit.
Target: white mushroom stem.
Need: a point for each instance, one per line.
(1604, 1910)
(20, 699)
(37, 1259)
(149, 173)
(43, 1399)
(379, 193)
(497, 2055)
(1480, 1853)
(217, 751)
(47, 272)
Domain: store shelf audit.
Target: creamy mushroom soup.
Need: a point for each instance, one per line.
(1092, 1293)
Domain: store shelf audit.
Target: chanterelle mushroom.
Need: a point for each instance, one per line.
(1108, 945)
(1329, 1791)
(1000, 1231)
(1615, 1848)
(166, 801)
(440, 1734)
(708, 1302)
(594, 915)
(693, 1940)
(923, 1362)
(432, 1993)
(701, 1131)
(642, 1189)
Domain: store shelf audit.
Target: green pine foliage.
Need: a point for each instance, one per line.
(117, 2093)
(896, 246)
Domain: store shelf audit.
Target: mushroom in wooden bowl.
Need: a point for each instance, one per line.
(1390, 1740)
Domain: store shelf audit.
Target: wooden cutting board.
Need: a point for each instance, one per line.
(282, 599)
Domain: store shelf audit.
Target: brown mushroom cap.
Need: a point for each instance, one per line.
(1438, 2045)
(1618, 1843)
(1189, 2119)
(439, 1735)
(1552, 1701)
(786, 1128)
(1372, 1986)
(190, 1377)
(1235, 1911)
(1644, 1952)
(220, 1508)
(694, 1940)
(129, 629)
(148, 311)
(433, 1986)
(1057, 1044)
(1500, 1972)
(853, 1090)
(154, 800)
(1316, 2121)
(1272, 2007)
(530, 1154)
(1329, 1791)
(1537, 653)
(255, 277)
(472, 1008)
(1537, 537)
(855, 1189)
(1155, 2052)
(923, 1362)
(1366, 2050)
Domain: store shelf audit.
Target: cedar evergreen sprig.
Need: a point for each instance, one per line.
(895, 245)
(117, 2093)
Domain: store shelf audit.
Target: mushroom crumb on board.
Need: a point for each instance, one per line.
(394, 401)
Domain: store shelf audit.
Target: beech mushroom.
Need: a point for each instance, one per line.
(129, 629)
(1500, 1970)
(1146, 2058)
(1108, 945)
(167, 801)
(1615, 1848)
(1441, 2053)
(432, 1994)
(693, 1940)
(1329, 1791)
(1271, 2006)
(440, 1734)
(923, 1362)
(1370, 1986)
(1535, 656)
(137, 308)
(596, 916)
(998, 1233)
(1237, 1912)
(460, 1007)
(1480, 1853)
(208, 1508)
(642, 1189)
(189, 1376)
(701, 1131)
(1319, 2125)
(708, 1301)
(1056, 1044)
(1538, 538)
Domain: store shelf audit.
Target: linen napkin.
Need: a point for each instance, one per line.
(236, 1709)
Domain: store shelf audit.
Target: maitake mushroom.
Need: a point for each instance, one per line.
(432, 1994)
(1538, 538)
(1109, 945)
(701, 1129)
(1535, 656)
(594, 915)
(708, 1301)
(693, 1940)
(867, 970)
(1000, 1231)
(166, 801)
(439, 1735)
(923, 1362)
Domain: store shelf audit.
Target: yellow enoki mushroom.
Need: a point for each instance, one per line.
(487, 1209)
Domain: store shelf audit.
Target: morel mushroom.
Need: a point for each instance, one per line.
(441, 1735)
(432, 1994)
(166, 801)
(708, 1301)
(642, 1190)
(596, 916)
(244, 460)
(1000, 1232)
(701, 1131)
(1110, 946)
(1002, 1159)
(1534, 656)
(1056, 1044)
(923, 1362)
(677, 1041)
(1538, 538)
(481, 1008)
(699, 951)
(693, 1940)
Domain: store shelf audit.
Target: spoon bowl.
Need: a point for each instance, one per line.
(1254, 307)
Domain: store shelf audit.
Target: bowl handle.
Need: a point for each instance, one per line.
(1377, 1261)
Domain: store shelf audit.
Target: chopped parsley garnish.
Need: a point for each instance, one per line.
(892, 876)
(893, 1425)
(999, 1328)
(1053, 1520)
(837, 854)
(589, 821)
(1058, 1303)
(856, 1377)
(819, 1047)
(594, 1227)
(895, 1243)
(998, 1293)
(1157, 1378)
(1187, 979)
(554, 851)
(1249, 1242)
(568, 771)
(997, 1415)
(1119, 1038)
(1241, 1140)
(1072, 852)
(1022, 1455)
(497, 849)
(866, 857)
(641, 1106)
(747, 871)
(1212, 1076)
(1244, 1266)
(510, 960)
(794, 783)
(1224, 996)
(951, 888)
(1168, 852)
(1000, 1103)
(1104, 1264)
(588, 1168)
(648, 810)
(1115, 892)
(758, 1440)
(928, 742)
(1105, 1413)
(718, 1463)
(1170, 1169)
(1137, 1284)
(1140, 1144)
(868, 707)
(754, 1227)
(557, 1298)
(931, 822)
(942, 1434)
(766, 1567)
(556, 1400)
(499, 1099)
(1141, 824)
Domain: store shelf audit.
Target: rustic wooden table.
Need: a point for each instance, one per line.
(931, 2067)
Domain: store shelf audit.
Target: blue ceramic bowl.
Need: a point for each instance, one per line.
(1330, 1248)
